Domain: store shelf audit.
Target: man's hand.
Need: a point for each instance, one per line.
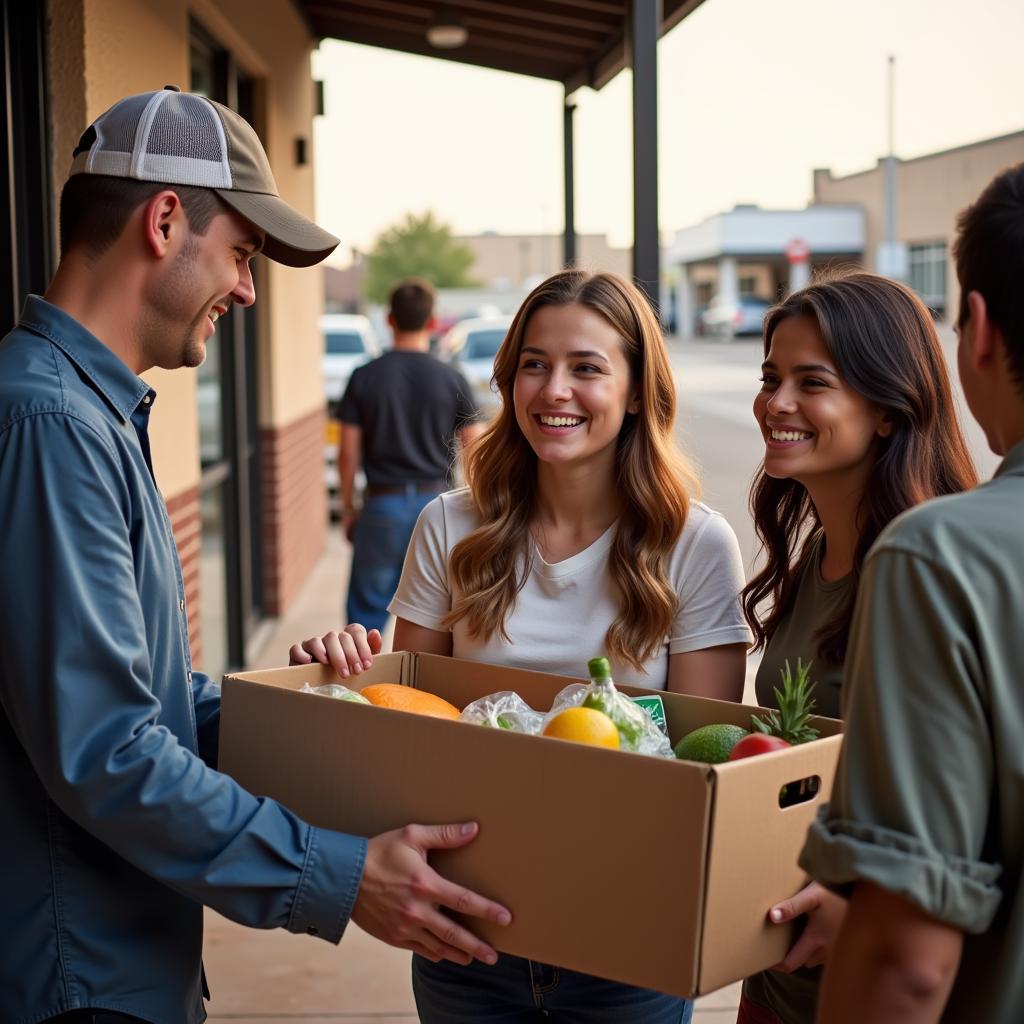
(349, 518)
(347, 652)
(825, 911)
(400, 893)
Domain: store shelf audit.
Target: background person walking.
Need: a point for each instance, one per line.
(401, 415)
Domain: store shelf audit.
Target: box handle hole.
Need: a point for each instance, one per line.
(799, 791)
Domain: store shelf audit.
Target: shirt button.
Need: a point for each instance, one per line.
(312, 930)
(146, 400)
(190, 677)
(181, 605)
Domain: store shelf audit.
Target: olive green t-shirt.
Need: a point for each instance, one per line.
(928, 801)
(793, 997)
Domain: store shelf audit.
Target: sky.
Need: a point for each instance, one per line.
(752, 96)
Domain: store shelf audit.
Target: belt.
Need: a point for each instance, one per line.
(413, 487)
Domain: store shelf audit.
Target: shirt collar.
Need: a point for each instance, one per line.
(122, 389)
(1013, 462)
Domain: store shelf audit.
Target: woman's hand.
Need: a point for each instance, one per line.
(347, 652)
(824, 910)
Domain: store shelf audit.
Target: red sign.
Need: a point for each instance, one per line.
(797, 251)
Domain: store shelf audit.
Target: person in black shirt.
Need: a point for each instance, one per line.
(400, 416)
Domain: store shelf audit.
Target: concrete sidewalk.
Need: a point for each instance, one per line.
(273, 977)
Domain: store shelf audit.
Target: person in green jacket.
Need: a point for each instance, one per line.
(859, 424)
(925, 831)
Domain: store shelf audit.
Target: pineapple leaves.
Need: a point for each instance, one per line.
(791, 720)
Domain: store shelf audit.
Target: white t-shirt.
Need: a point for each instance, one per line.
(562, 614)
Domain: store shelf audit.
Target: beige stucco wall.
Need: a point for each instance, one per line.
(101, 50)
(930, 192)
(510, 261)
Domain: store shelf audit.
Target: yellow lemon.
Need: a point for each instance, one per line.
(584, 725)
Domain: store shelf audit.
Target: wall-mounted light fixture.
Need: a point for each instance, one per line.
(446, 32)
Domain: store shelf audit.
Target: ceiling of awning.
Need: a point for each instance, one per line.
(576, 42)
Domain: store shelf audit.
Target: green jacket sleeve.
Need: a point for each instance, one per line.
(911, 803)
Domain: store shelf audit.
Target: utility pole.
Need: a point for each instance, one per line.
(890, 169)
(892, 255)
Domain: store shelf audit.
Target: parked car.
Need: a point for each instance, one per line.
(470, 346)
(444, 322)
(349, 341)
(730, 318)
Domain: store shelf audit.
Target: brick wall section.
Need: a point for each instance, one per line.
(183, 510)
(294, 507)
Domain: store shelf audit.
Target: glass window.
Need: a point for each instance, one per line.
(208, 390)
(344, 343)
(927, 271)
(213, 582)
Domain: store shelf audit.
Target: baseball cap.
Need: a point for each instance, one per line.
(182, 138)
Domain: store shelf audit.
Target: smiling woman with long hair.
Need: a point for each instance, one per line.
(859, 425)
(579, 534)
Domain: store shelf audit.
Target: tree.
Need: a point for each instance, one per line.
(419, 246)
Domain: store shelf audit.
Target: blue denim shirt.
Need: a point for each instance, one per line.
(116, 827)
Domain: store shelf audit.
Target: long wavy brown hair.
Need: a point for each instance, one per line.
(883, 342)
(654, 481)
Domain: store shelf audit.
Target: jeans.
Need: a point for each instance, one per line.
(517, 991)
(379, 543)
(93, 1017)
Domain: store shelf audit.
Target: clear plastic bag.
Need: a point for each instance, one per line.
(335, 690)
(637, 731)
(504, 710)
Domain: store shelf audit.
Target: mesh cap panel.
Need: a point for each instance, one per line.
(185, 126)
(116, 129)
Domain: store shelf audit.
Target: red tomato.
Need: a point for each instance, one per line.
(757, 743)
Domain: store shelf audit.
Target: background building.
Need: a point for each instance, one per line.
(767, 253)
(930, 191)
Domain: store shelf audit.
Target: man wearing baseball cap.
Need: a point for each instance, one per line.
(117, 827)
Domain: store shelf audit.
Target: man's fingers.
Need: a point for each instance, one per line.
(441, 837)
(806, 900)
(452, 940)
(800, 955)
(465, 901)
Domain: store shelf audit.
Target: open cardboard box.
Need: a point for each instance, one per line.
(640, 869)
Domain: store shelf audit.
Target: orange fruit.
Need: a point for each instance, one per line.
(405, 698)
(584, 725)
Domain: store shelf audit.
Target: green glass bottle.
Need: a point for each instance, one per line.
(603, 696)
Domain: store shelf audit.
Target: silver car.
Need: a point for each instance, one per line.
(470, 346)
(729, 319)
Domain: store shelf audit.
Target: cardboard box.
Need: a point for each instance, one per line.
(640, 869)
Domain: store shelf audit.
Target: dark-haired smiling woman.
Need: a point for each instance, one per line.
(859, 425)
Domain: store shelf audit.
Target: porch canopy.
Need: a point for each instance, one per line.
(575, 42)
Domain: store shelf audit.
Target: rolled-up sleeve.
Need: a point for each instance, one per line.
(911, 803)
(76, 687)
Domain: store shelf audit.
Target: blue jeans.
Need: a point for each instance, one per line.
(518, 991)
(379, 543)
